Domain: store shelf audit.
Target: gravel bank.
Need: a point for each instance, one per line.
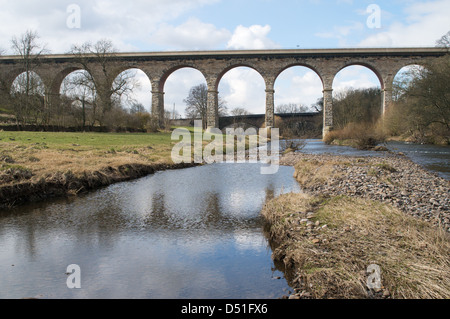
(394, 179)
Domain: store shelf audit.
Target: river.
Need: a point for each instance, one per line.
(192, 233)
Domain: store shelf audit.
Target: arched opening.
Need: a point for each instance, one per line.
(298, 89)
(357, 96)
(78, 105)
(243, 88)
(28, 100)
(29, 83)
(131, 101)
(417, 111)
(404, 79)
(185, 96)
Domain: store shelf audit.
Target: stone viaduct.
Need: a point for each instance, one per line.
(158, 66)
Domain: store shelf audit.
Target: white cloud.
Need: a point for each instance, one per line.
(298, 85)
(127, 22)
(251, 38)
(177, 88)
(342, 32)
(426, 22)
(244, 87)
(191, 35)
(355, 77)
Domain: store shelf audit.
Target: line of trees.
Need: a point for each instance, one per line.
(421, 112)
(92, 96)
(356, 106)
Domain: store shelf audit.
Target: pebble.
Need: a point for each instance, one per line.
(399, 181)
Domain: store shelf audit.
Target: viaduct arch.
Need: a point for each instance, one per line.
(326, 63)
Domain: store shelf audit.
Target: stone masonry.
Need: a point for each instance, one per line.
(158, 66)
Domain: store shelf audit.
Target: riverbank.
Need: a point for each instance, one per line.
(35, 166)
(61, 184)
(358, 212)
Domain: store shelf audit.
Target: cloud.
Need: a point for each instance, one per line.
(355, 77)
(177, 88)
(191, 35)
(425, 23)
(298, 85)
(251, 38)
(127, 22)
(342, 33)
(244, 87)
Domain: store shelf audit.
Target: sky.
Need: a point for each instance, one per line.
(185, 25)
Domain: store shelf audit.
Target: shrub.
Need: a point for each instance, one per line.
(359, 135)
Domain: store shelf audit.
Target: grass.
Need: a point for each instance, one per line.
(86, 141)
(331, 261)
(38, 165)
(45, 153)
(312, 172)
(362, 136)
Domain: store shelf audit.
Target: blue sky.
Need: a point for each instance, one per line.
(162, 25)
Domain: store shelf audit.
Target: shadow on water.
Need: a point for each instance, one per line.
(191, 233)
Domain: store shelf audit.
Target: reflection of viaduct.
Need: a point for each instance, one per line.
(385, 63)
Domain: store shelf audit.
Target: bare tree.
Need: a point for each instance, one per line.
(197, 104)
(356, 106)
(78, 88)
(239, 111)
(100, 62)
(28, 93)
(291, 108)
(318, 106)
(444, 42)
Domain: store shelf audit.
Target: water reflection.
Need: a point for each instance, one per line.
(193, 233)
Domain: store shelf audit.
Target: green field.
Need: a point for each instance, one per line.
(44, 154)
(85, 141)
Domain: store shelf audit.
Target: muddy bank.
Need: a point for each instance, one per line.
(67, 184)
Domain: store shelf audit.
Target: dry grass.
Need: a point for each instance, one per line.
(310, 172)
(45, 162)
(331, 262)
(358, 135)
(38, 165)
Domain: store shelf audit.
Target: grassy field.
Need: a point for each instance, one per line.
(85, 141)
(35, 166)
(36, 155)
(38, 165)
(44, 153)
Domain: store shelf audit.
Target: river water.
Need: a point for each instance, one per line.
(191, 233)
